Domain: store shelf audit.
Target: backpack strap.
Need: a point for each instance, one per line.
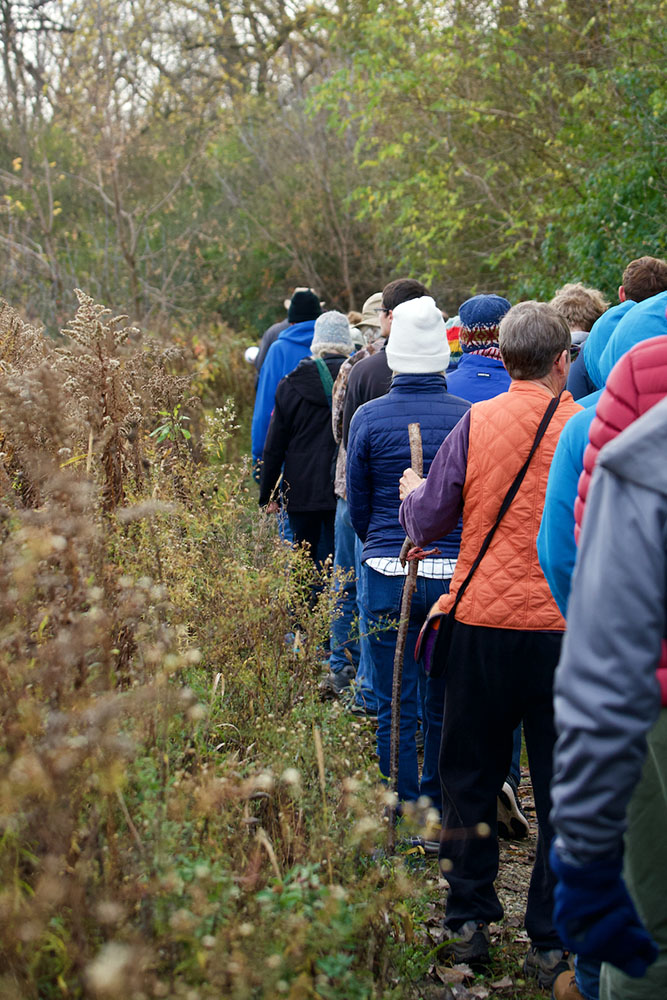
(325, 378)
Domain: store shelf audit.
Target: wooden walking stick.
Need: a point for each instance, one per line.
(416, 461)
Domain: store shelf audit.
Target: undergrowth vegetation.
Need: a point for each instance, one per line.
(179, 815)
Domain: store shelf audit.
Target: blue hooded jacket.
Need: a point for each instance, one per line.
(584, 375)
(283, 356)
(556, 547)
(648, 315)
(478, 377)
(599, 337)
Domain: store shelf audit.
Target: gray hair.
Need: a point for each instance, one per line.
(532, 335)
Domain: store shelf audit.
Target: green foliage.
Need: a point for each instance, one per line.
(486, 145)
(507, 147)
(173, 427)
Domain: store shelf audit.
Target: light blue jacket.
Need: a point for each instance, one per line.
(600, 335)
(646, 319)
(556, 547)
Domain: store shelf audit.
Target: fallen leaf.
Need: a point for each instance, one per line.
(446, 974)
(502, 984)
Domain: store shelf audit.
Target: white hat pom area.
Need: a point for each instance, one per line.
(418, 342)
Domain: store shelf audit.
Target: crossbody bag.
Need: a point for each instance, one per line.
(436, 633)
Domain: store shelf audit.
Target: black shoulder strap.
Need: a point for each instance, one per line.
(509, 496)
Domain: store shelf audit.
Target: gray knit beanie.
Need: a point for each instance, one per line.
(332, 335)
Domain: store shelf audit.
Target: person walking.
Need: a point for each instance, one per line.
(507, 630)
(417, 353)
(300, 439)
(610, 773)
(283, 356)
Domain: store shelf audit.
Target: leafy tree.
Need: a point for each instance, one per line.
(483, 126)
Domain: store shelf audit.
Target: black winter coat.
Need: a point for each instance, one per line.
(301, 439)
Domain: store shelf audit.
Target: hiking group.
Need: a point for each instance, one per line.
(539, 527)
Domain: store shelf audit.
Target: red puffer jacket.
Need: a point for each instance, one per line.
(636, 383)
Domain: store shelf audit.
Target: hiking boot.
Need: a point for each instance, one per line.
(565, 987)
(361, 711)
(470, 943)
(547, 964)
(334, 684)
(512, 822)
(358, 708)
(430, 847)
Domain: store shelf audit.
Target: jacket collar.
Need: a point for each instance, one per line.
(421, 383)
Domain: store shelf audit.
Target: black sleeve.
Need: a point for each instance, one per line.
(275, 446)
(268, 338)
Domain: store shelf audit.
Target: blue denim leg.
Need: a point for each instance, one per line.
(284, 529)
(515, 766)
(345, 624)
(382, 602)
(587, 977)
(364, 684)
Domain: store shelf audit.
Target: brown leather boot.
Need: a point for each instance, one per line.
(565, 987)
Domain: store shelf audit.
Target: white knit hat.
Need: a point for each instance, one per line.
(332, 335)
(418, 342)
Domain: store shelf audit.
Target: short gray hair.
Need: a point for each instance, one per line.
(532, 335)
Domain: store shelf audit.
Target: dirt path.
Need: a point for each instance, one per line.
(510, 942)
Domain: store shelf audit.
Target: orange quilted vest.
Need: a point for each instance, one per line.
(508, 589)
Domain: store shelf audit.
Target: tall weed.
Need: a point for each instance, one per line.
(179, 815)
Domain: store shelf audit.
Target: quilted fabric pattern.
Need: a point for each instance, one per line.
(636, 383)
(379, 451)
(508, 589)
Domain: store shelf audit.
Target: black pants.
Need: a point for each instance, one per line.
(316, 527)
(495, 678)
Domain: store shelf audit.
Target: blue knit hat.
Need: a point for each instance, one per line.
(480, 318)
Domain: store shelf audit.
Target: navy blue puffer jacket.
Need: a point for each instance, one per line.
(379, 450)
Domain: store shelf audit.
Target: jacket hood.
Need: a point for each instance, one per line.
(645, 320)
(598, 338)
(299, 333)
(306, 382)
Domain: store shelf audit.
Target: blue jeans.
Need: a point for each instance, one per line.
(587, 976)
(343, 629)
(382, 602)
(364, 685)
(284, 529)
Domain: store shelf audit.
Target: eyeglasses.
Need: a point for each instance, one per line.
(383, 309)
(574, 351)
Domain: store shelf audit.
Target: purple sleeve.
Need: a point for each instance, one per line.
(433, 509)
